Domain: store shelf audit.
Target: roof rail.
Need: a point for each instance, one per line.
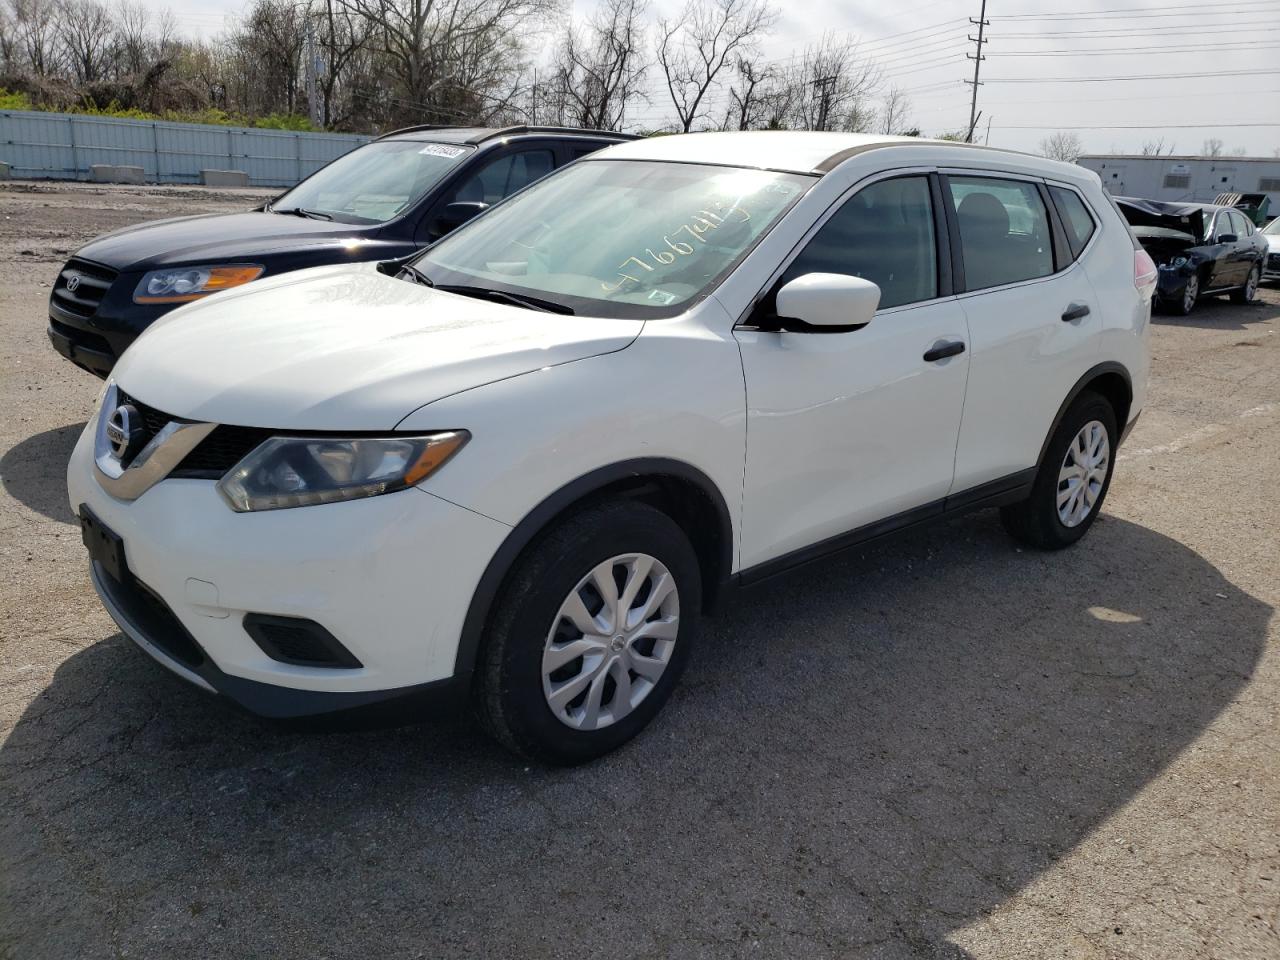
(528, 128)
(415, 129)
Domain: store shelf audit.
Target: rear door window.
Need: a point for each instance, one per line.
(1076, 219)
(1004, 231)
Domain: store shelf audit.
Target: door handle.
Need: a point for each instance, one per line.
(943, 349)
(1075, 312)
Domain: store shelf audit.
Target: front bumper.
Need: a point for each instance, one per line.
(390, 577)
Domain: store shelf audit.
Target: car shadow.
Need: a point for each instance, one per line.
(33, 471)
(864, 756)
(1219, 313)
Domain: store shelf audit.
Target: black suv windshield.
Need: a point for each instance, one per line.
(617, 238)
(373, 183)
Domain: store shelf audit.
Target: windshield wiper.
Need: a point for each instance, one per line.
(299, 212)
(416, 275)
(501, 296)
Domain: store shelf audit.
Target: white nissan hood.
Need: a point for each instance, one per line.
(344, 348)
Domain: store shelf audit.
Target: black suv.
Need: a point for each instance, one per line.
(381, 201)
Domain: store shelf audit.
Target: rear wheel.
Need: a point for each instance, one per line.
(1250, 289)
(591, 635)
(1073, 479)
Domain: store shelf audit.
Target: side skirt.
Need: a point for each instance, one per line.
(1005, 490)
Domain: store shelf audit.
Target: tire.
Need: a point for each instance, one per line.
(1190, 295)
(514, 693)
(1250, 289)
(1037, 521)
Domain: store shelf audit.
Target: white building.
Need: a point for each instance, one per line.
(1189, 179)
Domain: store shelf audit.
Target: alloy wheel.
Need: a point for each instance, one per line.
(1190, 293)
(611, 641)
(1083, 473)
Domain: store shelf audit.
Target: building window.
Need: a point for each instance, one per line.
(1177, 181)
(1269, 184)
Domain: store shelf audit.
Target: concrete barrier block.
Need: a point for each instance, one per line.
(224, 178)
(116, 173)
(4, 170)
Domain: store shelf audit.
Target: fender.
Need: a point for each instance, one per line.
(1109, 366)
(537, 520)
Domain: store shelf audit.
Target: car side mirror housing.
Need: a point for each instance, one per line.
(456, 214)
(1228, 238)
(829, 300)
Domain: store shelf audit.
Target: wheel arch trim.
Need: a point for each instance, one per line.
(1092, 374)
(541, 516)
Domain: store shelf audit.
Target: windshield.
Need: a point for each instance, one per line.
(373, 183)
(617, 238)
(1273, 228)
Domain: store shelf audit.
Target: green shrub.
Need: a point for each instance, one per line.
(14, 101)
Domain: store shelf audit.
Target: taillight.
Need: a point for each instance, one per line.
(1144, 274)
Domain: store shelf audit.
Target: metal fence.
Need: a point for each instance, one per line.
(63, 146)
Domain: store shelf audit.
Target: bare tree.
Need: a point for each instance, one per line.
(87, 32)
(895, 111)
(753, 92)
(701, 42)
(35, 30)
(1063, 145)
(1211, 148)
(598, 72)
(1238, 152)
(1156, 148)
(830, 87)
(342, 38)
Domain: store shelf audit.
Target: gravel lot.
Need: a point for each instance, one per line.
(941, 747)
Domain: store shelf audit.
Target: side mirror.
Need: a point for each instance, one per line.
(456, 214)
(829, 300)
(1227, 238)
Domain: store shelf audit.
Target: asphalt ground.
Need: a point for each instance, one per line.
(943, 746)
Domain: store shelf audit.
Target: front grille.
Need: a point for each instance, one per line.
(221, 450)
(1273, 261)
(91, 282)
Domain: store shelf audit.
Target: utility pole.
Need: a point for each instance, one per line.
(981, 23)
(313, 67)
(824, 103)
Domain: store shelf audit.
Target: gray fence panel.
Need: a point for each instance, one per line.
(64, 146)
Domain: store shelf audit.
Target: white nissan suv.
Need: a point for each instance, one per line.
(515, 469)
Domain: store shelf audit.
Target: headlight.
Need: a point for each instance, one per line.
(181, 284)
(300, 471)
(1174, 264)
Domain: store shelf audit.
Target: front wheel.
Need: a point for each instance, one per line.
(1250, 289)
(1073, 479)
(1190, 294)
(591, 634)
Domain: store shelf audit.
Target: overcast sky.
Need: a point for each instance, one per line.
(1045, 65)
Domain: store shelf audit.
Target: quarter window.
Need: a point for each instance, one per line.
(1004, 231)
(883, 233)
(1076, 220)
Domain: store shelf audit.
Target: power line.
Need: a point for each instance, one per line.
(1145, 15)
(1145, 76)
(1204, 5)
(1132, 126)
(1254, 26)
(1142, 51)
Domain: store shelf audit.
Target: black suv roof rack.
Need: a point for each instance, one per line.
(527, 128)
(492, 133)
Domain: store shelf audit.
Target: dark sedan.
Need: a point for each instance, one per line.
(382, 201)
(1201, 249)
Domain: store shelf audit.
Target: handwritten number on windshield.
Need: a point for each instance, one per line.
(699, 224)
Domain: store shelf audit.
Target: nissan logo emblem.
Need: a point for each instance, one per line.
(73, 283)
(124, 430)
